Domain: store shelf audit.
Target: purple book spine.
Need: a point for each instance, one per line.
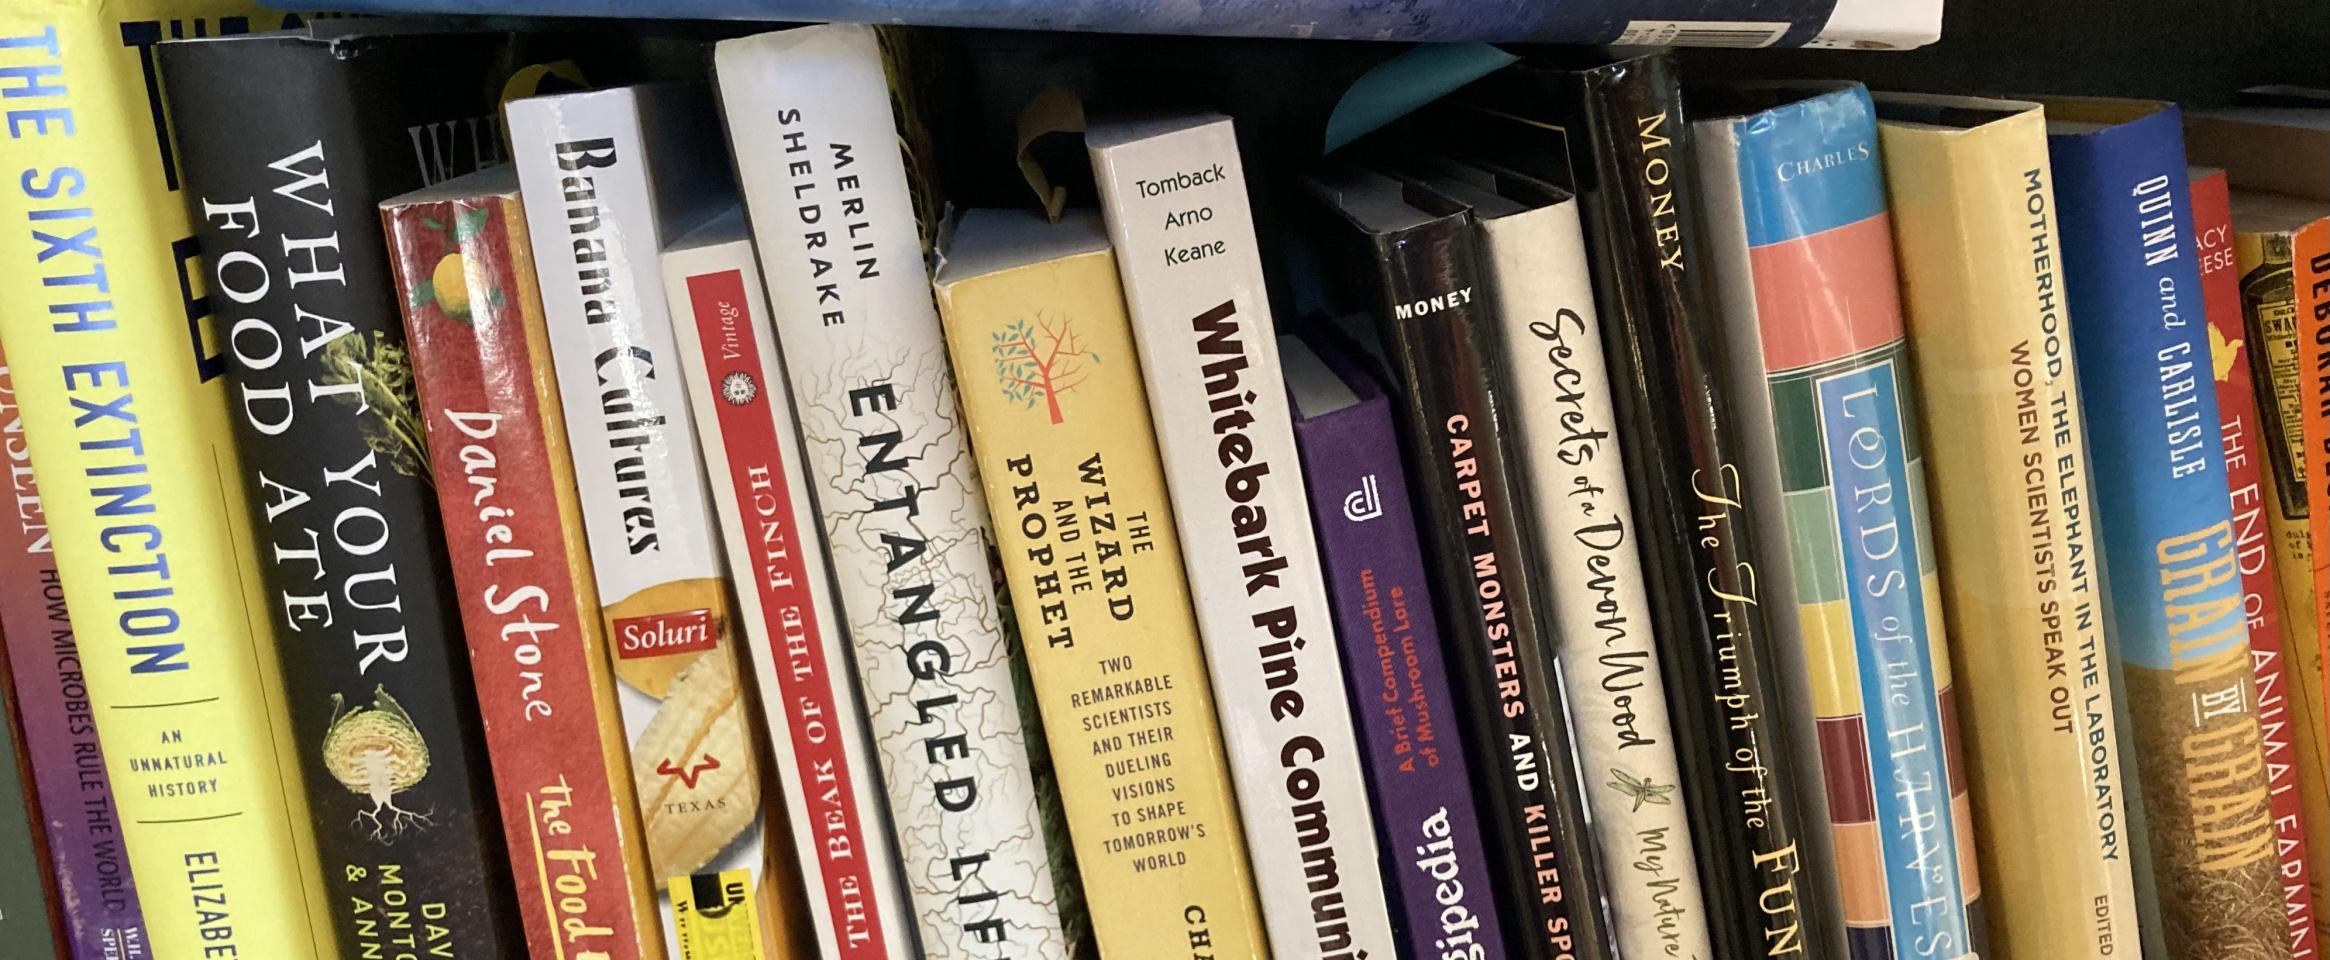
(1399, 687)
(100, 903)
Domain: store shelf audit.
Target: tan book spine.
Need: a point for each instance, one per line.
(1972, 199)
(1051, 387)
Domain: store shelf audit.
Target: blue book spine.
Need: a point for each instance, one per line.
(1400, 697)
(2175, 621)
(1780, 23)
(1826, 315)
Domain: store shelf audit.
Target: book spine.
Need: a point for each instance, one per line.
(2310, 673)
(1433, 313)
(1998, 399)
(1176, 209)
(2166, 524)
(1585, 529)
(2229, 353)
(1764, 863)
(98, 900)
(513, 530)
(591, 204)
(1389, 639)
(2269, 307)
(909, 535)
(27, 898)
(1094, 569)
(752, 446)
(1816, 315)
(333, 460)
(153, 549)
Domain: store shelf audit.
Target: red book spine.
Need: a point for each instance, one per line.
(2212, 207)
(754, 433)
(481, 369)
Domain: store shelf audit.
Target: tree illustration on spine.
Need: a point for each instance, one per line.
(1041, 360)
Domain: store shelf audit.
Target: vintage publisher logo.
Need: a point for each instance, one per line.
(664, 634)
(738, 389)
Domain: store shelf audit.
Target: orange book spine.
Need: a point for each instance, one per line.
(2310, 257)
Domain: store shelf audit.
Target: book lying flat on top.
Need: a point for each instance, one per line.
(1859, 24)
(1972, 195)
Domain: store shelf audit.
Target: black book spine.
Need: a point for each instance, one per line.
(1433, 310)
(289, 145)
(1619, 140)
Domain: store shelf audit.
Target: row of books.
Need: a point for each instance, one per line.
(669, 531)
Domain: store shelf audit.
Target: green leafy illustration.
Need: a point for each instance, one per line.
(1040, 360)
(424, 293)
(385, 372)
(431, 223)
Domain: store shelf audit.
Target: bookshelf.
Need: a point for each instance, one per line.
(1694, 389)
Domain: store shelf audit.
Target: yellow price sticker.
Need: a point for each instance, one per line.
(714, 917)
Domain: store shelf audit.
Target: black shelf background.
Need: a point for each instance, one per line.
(2194, 51)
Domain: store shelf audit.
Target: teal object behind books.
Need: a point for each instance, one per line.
(2165, 516)
(1809, 283)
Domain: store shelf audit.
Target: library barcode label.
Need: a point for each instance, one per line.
(1702, 33)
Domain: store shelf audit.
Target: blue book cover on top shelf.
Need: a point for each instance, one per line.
(1864, 24)
(2175, 621)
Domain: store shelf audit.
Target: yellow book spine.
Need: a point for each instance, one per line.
(1088, 547)
(1974, 221)
(2270, 307)
(118, 369)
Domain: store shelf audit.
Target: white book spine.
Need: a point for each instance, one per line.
(1565, 429)
(1175, 198)
(903, 510)
(592, 219)
(833, 801)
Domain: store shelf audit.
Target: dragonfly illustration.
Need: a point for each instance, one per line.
(1643, 790)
